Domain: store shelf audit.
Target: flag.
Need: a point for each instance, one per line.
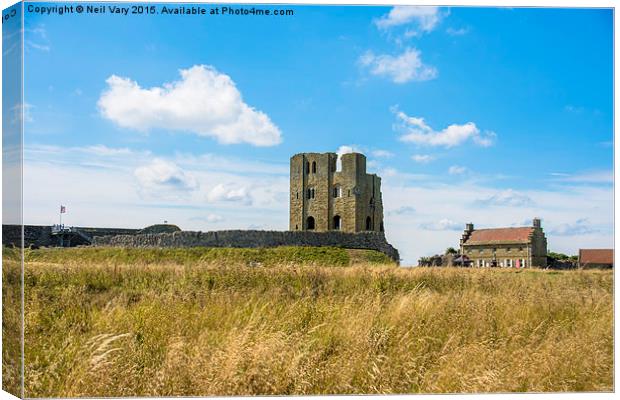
(63, 209)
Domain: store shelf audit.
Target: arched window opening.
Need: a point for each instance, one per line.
(337, 191)
(296, 227)
(310, 194)
(314, 167)
(310, 223)
(337, 221)
(381, 227)
(368, 224)
(307, 167)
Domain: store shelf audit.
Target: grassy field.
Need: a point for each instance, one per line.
(111, 322)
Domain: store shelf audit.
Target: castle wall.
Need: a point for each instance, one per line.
(238, 238)
(353, 205)
(41, 235)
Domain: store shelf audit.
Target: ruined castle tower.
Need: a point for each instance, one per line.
(323, 198)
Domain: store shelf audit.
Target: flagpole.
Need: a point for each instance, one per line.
(60, 226)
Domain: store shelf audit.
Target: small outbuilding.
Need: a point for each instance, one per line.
(596, 258)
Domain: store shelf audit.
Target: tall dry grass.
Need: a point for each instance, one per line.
(97, 328)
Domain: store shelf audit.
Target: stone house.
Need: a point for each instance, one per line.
(596, 258)
(323, 198)
(505, 247)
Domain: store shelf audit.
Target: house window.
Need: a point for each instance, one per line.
(508, 263)
(337, 221)
(310, 223)
(314, 167)
(337, 191)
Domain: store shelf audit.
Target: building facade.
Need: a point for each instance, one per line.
(520, 247)
(324, 198)
(596, 258)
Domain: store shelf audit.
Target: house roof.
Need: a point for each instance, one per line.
(500, 235)
(596, 256)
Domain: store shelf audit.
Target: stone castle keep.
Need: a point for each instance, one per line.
(324, 198)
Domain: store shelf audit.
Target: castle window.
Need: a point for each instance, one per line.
(297, 195)
(307, 167)
(310, 223)
(337, 222)
(314, 167)
(310, 193)
(368, 224)
(337, 191)
(381, 227)
(349, 193)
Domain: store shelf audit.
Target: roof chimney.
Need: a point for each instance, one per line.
(469, 227)
(536, 222)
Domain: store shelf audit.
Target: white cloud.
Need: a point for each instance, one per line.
(210, 218)
(162, 177)
(229, 193)
(404, 210)
(205, 102)
(36, 39)
(457, 32)
(457, 170)
(423, 19)
(577, 228)
(444, 224)
(600, 177)
(103, 150)
(21, 112)
(382, 154)
(415, 130)
(422, 158)
(508, 198)
(346, 149)
(574, 109)
(401, 68)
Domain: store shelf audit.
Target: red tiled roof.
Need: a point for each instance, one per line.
(596, 256)
(500, 235)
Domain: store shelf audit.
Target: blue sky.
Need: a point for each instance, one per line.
(487, 115)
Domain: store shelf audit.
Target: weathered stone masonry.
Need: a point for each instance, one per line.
(237, 238)
(325, 199)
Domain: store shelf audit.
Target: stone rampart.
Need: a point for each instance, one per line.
(252, 238)
(41, 235)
